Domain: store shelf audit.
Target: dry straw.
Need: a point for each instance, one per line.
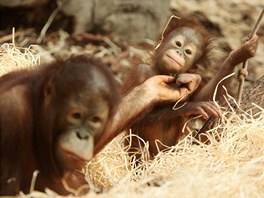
(229, 164)
(14, 58)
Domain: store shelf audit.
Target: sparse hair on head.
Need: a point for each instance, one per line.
(176, 22)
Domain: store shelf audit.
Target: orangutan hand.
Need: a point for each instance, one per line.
(158, 89)
(247, 50)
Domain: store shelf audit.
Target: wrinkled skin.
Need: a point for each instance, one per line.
(179, 51)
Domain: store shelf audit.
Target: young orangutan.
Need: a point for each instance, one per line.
(184, 44)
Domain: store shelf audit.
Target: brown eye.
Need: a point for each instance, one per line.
(188, 51)
(76, 115)
(96, 119)
(178, 43)
(96, 122)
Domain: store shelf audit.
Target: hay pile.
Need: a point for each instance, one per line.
(14, 58)
(230, 167)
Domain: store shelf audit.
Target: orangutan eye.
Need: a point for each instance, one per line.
(178, 43)
(76, 115)
(188, 52)
(96, 119)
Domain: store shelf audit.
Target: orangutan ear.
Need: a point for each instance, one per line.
(48, 89)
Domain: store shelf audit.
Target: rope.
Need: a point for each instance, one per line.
(243, 71)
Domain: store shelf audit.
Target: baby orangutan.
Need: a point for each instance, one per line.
(184, 44)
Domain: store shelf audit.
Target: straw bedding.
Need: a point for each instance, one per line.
(230, 164)
(14, 58)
